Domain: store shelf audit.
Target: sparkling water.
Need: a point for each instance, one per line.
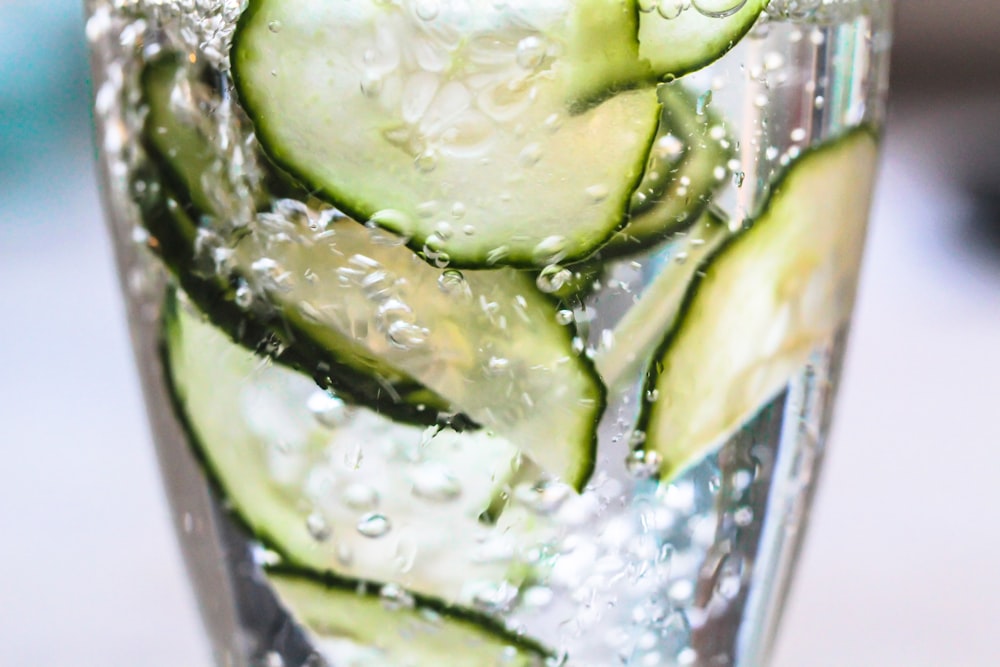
(636, 569)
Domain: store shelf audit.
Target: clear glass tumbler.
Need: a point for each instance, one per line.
(489, 332)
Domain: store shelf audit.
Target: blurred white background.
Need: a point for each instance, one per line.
(899, 565)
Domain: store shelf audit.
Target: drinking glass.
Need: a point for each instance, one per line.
(489, 332)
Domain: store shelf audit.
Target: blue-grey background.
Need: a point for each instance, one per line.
(902, 564)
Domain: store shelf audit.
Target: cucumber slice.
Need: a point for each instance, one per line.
(640, 331)
(363, 314)
(763, 303)
(355, 627)
(200, 197)
(338, 488)
(675, 190)
(458, 131)
(695, 35)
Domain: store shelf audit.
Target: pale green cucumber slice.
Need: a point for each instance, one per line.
(640, 331)
(457, 131)
(353, 626)
(188, 224)
(688, 164)
(695, 35)
(334, 487)
(763, 303)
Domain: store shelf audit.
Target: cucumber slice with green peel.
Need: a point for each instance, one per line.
(640, 331)
(688, 164)
(455, 131)
(196, 190)
(678, 37)
(762, 303)
(353, 626)
(333, 487)
(351, 306)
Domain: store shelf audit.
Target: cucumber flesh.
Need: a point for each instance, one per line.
(640, 331)
(691, 38)
(763, 303)
(334, 487)
(354, 627)
(462, 136)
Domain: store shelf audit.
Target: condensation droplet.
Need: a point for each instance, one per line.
(374, 525)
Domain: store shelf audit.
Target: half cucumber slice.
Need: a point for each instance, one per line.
(456, 128)
(353, 626)
(333, 487)
(688, 164)
(763, 303)
(190, 224)
(678, 37)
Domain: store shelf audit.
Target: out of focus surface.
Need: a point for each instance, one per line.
(900, 564)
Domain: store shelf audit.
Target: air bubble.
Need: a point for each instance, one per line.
(371, 84)
(643, 463)
(701, 106)
(427, 10)
(671, 9)
(718, 8)
(773, 60)
(743, 516)
(497, 365)
(318, 528)
(458, 210)
(597, 193)
(433, 481)
(647, 6)
(553, 278)
(360, 497)
(549, 250)
(374, 525)
(451, 281)
(273, 659)
(530, 52)
(327, 409)
(530, 155)
(798, 134)
(243, 296)
(427, 161)
(274, 26)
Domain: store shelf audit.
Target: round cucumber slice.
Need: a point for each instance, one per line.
(763, 302)
(458, 130)
(334, 487)
(679, 37)
(353, 626)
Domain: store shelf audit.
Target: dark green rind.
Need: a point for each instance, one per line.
(661, 215)
(667, 470)
(479, 622)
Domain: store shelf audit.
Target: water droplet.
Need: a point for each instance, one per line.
(537, 596)
(718, 8)
(371, 84)
(497, 365)
(761, 100)
(359, 496)
(494, 597)
(374, 525)
(433, 481)
(819, 102)
(771, 153)
(243, 296)
(344, 555)
(406, 335)
(328, 410)
(458, 210)
(798, 134)
(553, 278)
(652, 395)
(318, 528)
(564, 317)
(646, 6)
(671, 9)
(597, 193)
(427, 10)
(738, 178)
(274, 26)
(687, 656)
(816, 37)
(643, 464)
(530, 52)
(553, 122)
